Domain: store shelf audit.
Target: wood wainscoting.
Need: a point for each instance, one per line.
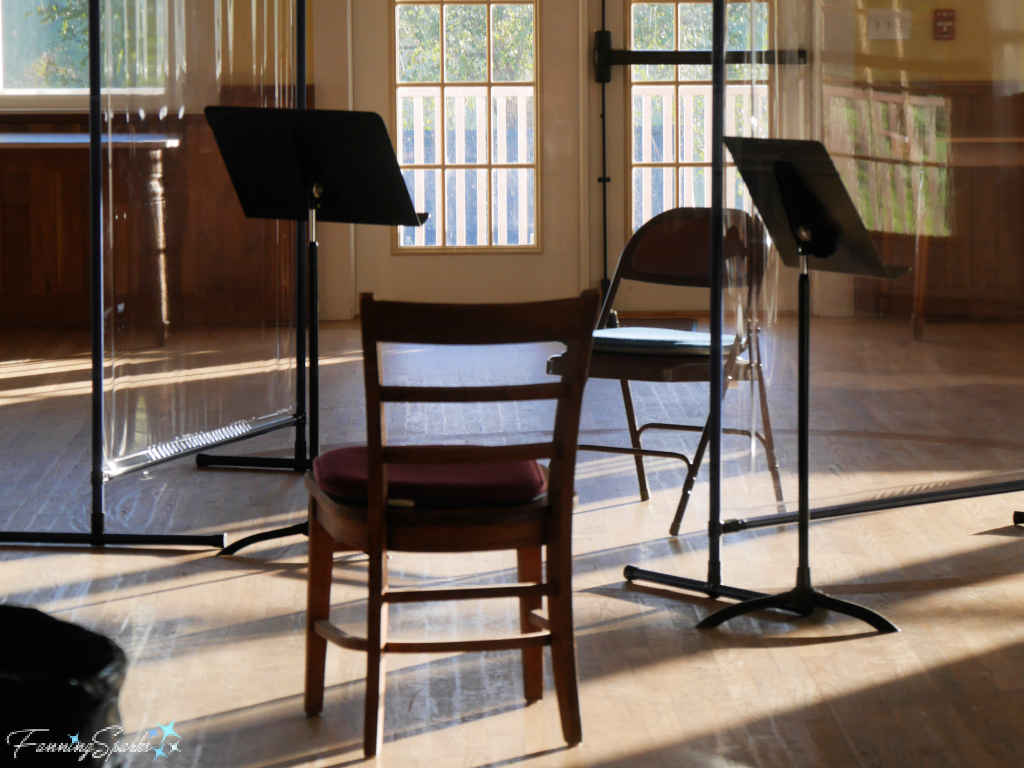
(182, 250)
(977, 273)
(44, 226)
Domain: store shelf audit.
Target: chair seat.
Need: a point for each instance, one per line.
(342, 472)
(656, 341)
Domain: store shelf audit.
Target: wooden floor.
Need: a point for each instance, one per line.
(217, 644)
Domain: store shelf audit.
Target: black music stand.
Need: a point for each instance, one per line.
(808, 212)
(307, 165)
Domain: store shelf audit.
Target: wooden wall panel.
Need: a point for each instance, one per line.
(181, 243)
(43, 220)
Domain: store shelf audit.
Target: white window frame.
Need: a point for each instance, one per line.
(685, 92)
(488, 167)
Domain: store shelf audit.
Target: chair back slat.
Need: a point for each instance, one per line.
(674, 248)
(467, 454)
(409, 323)
(569, 321)
(512, 393)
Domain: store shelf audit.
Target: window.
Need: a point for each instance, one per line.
(466, 119)
(892, 150)
(669, 153)
(44, 45)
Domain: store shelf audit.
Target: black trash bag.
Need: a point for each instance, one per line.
(58, 683)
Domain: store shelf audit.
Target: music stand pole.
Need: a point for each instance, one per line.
(301, 529)
(314, 335)
(803, 596)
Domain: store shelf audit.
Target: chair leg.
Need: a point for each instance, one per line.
(691, 478)
(318, 607)
(769, 440)
(376, 637)
(563, 646)
(634, 436)
(531, 570)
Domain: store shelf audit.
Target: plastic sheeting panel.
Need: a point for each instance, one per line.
(915, 382)
(199, 300)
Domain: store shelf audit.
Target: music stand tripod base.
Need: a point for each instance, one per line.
(803, 599)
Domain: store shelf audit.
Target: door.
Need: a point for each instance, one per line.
(488, 130)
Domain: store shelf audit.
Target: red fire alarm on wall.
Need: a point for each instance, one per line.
(945, 24)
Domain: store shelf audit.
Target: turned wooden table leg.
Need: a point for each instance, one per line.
(920, 284)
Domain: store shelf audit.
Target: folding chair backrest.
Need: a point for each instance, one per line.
(570, 321)
(673, 249)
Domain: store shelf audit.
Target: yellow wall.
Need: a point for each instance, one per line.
(989, 44)
(244, 64)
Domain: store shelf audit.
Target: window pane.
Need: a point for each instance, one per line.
(424, 188)
(693, 122)
(512, 118)
(466, 206)
(691, 188)
(695, 35)
(419, 43)
(700, 128)
(741, 32)
(653, 30)
(465, 41)
(654, 124)
(512, 202)
(512, 43)
(46, 44)
(465, 120)
(653, 193)
(417, 110)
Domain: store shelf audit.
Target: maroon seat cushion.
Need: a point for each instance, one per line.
(342, 472)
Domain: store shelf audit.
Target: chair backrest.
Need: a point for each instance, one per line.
(673, 247)
(570, 321)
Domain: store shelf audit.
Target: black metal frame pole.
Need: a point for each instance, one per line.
(713, 585)
(301, 239)
(604, 180)
(96, 272)
(309, 236)
(718, 25)
(876, 505)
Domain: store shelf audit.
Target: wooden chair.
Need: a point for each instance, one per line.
(672, 248)
(464, 498)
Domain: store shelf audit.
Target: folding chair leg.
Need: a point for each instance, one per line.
(769, 441)
(531, 570)
(377, 632)
(318, 608)
(563, 658)
(634, 436)
(691, 478)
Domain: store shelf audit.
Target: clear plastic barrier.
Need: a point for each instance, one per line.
(199, 300)
(915, 381)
